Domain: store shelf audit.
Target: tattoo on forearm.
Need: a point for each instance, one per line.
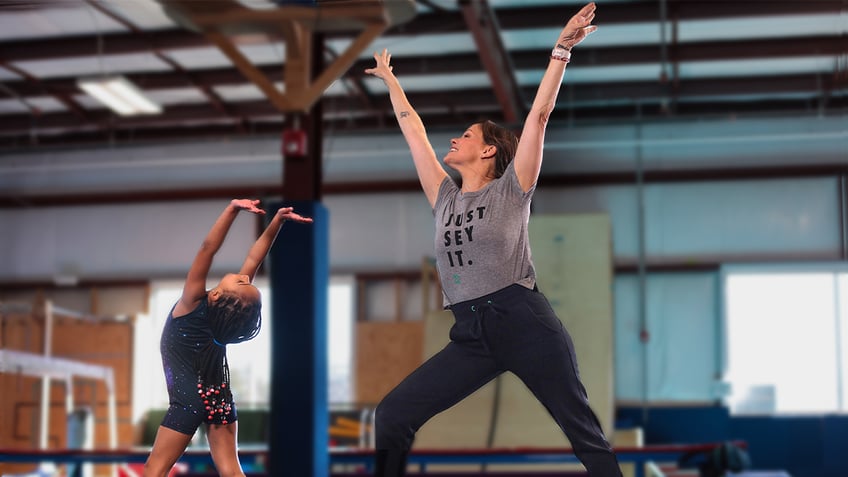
(403, 114)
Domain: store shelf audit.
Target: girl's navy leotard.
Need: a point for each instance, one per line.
(182, 339)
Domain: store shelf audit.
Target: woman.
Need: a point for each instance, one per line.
(193, 346)
(483, 256)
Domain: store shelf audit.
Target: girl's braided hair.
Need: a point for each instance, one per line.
(231, 320)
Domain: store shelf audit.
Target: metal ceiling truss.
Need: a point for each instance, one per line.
(503, 101)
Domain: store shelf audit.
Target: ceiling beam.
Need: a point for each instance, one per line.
(151, 81)
(207, 91)
(297, 25)
(62, 96)
(425, 23)
(605, 100)
(612, 91)
(471, 100)
(483, 25)
(584, 101)
(469, 62)
(564, 114)
(87, 45)
(355, 85)
(647, 11)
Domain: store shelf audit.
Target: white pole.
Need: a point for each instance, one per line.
(44, 424)
(69, 394)
(113, 416)
(69, 400)
(45, 379)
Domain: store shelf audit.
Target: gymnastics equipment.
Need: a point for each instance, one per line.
(358, 462)
(55, 369)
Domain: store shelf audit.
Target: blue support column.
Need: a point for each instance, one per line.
(299, 270)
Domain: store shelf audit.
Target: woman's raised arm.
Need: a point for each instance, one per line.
(528, 156)
(430, 171)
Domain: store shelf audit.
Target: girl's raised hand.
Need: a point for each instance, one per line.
(288, 213)
(249, 205)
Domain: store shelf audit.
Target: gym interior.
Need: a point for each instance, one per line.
(689, 227)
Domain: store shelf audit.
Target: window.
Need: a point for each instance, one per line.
(340, 339)
(786, 334)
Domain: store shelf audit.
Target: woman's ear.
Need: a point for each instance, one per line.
(489, 151)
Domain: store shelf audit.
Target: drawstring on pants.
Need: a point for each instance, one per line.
(477, 326)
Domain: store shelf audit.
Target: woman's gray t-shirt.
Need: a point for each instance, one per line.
(482, 244)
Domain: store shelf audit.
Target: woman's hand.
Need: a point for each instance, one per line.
(382, 70)
(249, 205)
(288, 213)
(578, 28)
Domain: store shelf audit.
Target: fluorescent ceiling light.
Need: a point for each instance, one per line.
(120, 95)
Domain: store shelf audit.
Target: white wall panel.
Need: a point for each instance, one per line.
(682, 350)
(751, 218)
(382, 232)
(675, 145)
(124, 169)
(618, 202)
(116, 241)
(387, 231)
(708, 220)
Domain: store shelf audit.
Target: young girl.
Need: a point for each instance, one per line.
(194, 341)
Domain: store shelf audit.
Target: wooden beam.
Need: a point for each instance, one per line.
(300, 95)
(356, 86)
(343, 62)
(250, 71)
(299, 45)
(297, 24)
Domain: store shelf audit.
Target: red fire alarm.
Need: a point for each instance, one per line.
(294, 143)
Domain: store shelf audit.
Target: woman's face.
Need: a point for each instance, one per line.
(467, 148)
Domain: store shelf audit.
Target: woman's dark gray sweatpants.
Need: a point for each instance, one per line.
(514, 329)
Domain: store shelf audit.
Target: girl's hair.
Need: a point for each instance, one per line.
(231, 320)
(504, 140)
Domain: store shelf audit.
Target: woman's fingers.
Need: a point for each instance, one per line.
(382, 59)
(587, 9)
(579, 27)
(585, 15)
